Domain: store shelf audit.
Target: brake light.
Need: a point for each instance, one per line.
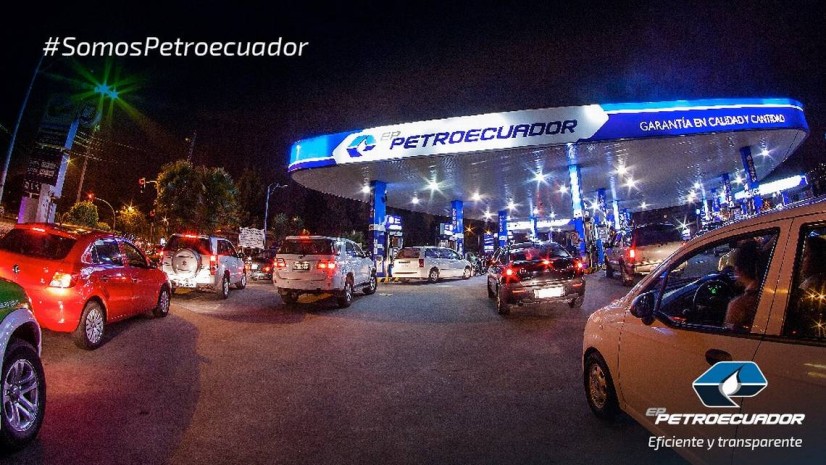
(546, 262)
(280, 263)
(421, 263)
(213, 264)
(62, 280)
(266, 269)
(38, 229)
(632, 254)
(509, 272)
(326, 265)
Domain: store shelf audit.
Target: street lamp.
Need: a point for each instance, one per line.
(274, 185)
(92, 198)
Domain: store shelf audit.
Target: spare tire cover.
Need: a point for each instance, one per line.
(186, 263)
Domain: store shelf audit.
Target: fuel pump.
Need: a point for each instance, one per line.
(394, 235)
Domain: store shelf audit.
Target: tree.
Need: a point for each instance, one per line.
(83, 214)
(284, 226)
(251, 193)
(199, 198)
(132, 221)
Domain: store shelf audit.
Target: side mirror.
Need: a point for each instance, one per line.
(643, 307)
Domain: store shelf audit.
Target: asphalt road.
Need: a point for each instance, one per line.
(415, 374)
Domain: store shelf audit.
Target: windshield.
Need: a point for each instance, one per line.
(656, 234)
(199, 244)
(308, 247)
(538, 252)
(408, 253)
(36, 244)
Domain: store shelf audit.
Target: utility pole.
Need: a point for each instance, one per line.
(191, 146)
(274, 185)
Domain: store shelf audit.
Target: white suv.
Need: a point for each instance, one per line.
(206, 263)
(322, 265)
(761, 312)
(430, 263)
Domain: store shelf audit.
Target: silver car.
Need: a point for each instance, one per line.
(205, 263)
(640, 250)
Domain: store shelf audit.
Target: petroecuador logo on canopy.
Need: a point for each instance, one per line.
(472, 133)
(546, 127)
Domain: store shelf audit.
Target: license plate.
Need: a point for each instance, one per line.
(254, 266)
(188, 283)
(301, 265)
(556, 291)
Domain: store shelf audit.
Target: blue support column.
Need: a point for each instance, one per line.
(503, 228)
(378, 210)
(727, 197)
(576, 203)
(755, 202)
(457, 216)
(599, 225)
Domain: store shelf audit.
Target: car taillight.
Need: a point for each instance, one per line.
(511, 274)
(421, 263)
(579, 267)
(266, 269)
(280, 263)
(213, 264)
(62, 280)
(326, 265)
(632, 254)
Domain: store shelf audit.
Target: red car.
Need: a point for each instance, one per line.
(81, 280)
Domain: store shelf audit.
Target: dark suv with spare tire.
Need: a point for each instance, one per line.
(204, 263)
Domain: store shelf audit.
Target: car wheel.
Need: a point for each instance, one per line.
(433, 276)
(491, 295)
(502, 301)
(576, 302)
(346, 297)
(163, 304)
(24, 395)
(223, 293)
(90, 329)
(599, 388)
(609, 272)
(371, 287)
(627, 280)
(243, 282)
(467, 273)
(289, 298)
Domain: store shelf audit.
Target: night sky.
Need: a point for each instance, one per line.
(371, 64)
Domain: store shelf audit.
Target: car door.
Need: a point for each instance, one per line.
(793, 354)
(659, 361)
(446, 267)
(113, 278)
(236, 263)
(351, 260)
(611, 255)
(145, 286)
(365, 265)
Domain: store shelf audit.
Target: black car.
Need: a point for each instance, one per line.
(261, 266)
(533, 273)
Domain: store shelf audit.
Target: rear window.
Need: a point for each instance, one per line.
(308, 247)
(539, 252)
(37, 244)
(408, 253)
(198, 244)
(659, 234)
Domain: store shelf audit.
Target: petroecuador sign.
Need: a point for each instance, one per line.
(545, 127)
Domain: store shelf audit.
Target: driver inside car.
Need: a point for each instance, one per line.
(746, 260)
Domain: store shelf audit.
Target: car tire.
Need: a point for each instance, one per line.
(627, 280)
(372, 285)
(223, 292)
(289, 298)
(599, 388)
(433, 275)
(609, 272)
(22, 371)
(163, 304)
(242, 283)
(576, 302)
(502, 301)
(468, 273)
(491, 294)
(346, 298)
(92, 325)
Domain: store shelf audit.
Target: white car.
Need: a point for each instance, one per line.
(430, 263)
(322, 265)
(206, 263)
(760, 322)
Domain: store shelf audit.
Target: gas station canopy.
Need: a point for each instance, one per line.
(646, 155)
